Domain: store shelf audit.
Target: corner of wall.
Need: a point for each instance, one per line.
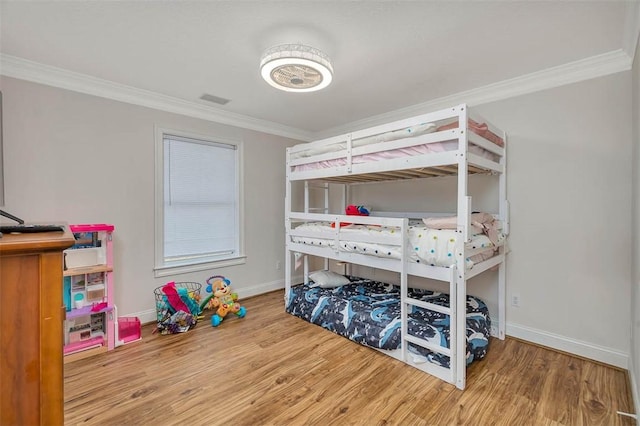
(631, 29)
(634, 386)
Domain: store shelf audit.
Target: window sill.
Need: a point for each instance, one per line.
(165, 271)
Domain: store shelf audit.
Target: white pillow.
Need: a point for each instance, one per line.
(328, 279)
(407, 132)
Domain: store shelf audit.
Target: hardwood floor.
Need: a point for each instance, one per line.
(271, 368)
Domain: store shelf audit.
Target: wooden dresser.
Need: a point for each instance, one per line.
(31, 324)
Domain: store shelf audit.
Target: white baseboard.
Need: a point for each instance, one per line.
(562, 343)
(261, 288)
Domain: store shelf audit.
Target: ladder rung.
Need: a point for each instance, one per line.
(427, 345)
(430, 306)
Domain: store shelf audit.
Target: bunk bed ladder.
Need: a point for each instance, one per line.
(406, 306)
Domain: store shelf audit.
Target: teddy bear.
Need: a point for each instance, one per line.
(222, 300)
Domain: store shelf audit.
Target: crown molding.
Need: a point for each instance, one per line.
(572, 72)
(12, 66)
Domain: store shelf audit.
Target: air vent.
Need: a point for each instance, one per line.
(215, 99)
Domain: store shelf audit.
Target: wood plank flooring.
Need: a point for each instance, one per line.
(271, 368)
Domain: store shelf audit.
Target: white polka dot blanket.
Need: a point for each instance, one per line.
(433, 247)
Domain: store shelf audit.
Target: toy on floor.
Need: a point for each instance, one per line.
(173, 297)
(181, 299)
(221, 299)
(177, 308)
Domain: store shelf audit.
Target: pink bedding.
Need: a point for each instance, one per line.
(395, 153)
(480, 129)
(481, 222)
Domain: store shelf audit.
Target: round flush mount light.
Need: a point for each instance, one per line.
(296, 68)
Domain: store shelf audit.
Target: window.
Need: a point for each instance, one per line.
(198, 209)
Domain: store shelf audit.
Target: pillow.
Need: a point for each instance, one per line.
(478, 128)
(407, 132)
(328, 279)
(451, 222)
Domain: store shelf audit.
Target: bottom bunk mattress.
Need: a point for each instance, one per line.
(368, 312)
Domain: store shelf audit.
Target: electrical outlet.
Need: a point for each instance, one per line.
(515, 300)
(278, 265)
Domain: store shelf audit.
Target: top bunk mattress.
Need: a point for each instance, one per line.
(407, 133)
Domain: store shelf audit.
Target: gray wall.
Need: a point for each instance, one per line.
(83, 159)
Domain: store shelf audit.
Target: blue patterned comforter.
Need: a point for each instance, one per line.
(368, 312)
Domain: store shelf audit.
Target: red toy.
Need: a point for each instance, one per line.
(352, 210)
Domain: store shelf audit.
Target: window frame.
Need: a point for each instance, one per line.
(162, 268)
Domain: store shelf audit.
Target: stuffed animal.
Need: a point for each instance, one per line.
(356, 210)
(221, 299)
(352, 210)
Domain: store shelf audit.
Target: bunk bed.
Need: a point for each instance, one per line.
(435, 332)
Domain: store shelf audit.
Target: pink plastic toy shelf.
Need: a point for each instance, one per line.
(89, 310)
(89, 274)
(94, 342)
(129, 329)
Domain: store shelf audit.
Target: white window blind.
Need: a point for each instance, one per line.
(200, 203)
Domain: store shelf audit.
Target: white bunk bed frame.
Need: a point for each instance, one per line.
(458, 162)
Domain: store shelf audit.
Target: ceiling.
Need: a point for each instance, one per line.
(387, 56)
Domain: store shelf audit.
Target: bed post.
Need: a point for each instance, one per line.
(404, 287)
(458, 323)
(287, 230)
(325, 210)
(453, 335)
(504, 217)
(305, 260)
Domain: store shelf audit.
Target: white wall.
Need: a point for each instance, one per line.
(569, 185)
(83, 159)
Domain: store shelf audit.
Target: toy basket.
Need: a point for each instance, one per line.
(172, 320)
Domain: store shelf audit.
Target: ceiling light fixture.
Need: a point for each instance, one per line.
(296, 68)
